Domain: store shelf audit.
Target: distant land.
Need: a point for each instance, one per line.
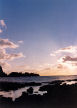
(16, 74)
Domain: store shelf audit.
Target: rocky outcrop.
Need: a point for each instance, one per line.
(2, 74)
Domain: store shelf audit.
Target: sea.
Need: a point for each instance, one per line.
(37, 79)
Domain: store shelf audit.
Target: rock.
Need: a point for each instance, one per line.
(2, 74)
(30, 90)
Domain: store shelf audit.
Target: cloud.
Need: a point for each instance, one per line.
(68, 50)
(6, 56)
(1, 30)
(2, 26)
(65, 62)
(68, 58)
(8, 68)
(14, 56)
(2, 23)
(68, 62)
(5, 43)
(20, 41)
(59, 66)
(5, 65)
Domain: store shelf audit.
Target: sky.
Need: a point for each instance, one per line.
(39, 36)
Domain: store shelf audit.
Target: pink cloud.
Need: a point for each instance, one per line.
(6, 56)
(5, 43)
(69, 50)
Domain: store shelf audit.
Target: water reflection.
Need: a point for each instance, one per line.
(17, 93)
(69, 82)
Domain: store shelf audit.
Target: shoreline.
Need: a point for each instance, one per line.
(58, 95)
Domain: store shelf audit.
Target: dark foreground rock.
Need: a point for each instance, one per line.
(30, 90)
